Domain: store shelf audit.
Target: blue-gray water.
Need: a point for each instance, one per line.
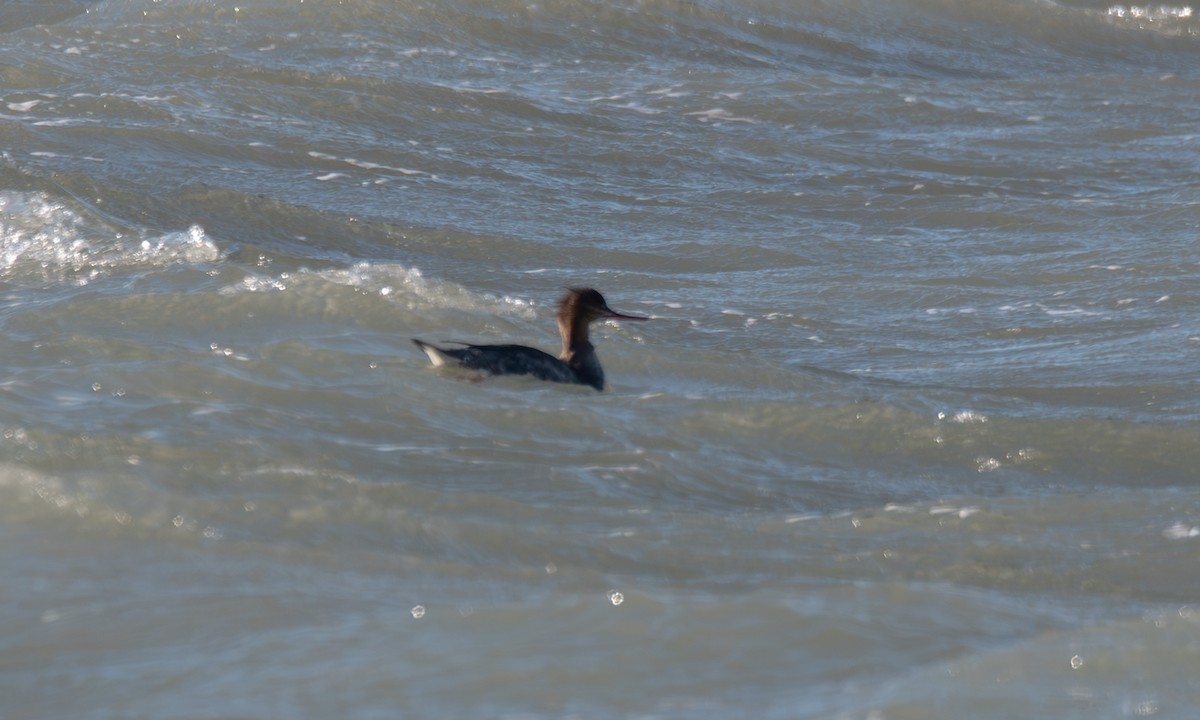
(913, 434)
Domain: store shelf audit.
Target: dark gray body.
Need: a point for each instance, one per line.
(521, 360)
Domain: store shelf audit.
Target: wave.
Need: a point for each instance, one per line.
(20, 14)
(924, 38)
(934, 38)
(45, 238)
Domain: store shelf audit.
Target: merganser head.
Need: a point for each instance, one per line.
(588, 305)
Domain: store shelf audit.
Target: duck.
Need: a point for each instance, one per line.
(577, 364)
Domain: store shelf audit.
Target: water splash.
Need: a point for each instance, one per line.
(44, 237)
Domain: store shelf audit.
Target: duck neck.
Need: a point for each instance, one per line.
(574, 339)
(578, 353)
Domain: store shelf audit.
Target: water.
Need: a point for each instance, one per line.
(913, 434)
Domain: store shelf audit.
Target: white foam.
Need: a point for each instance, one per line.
(1151, 13)
(190, 246)
(961, 512)
(43, 235)
(1181, 531)
(964, 417)
(24, 106)
(719, 114)
(393, 280)
(362, 164)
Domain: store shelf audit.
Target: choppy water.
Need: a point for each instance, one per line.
(914, 433)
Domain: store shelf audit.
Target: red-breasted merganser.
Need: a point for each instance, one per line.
(577, 364)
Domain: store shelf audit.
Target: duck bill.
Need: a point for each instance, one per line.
(614, 315)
